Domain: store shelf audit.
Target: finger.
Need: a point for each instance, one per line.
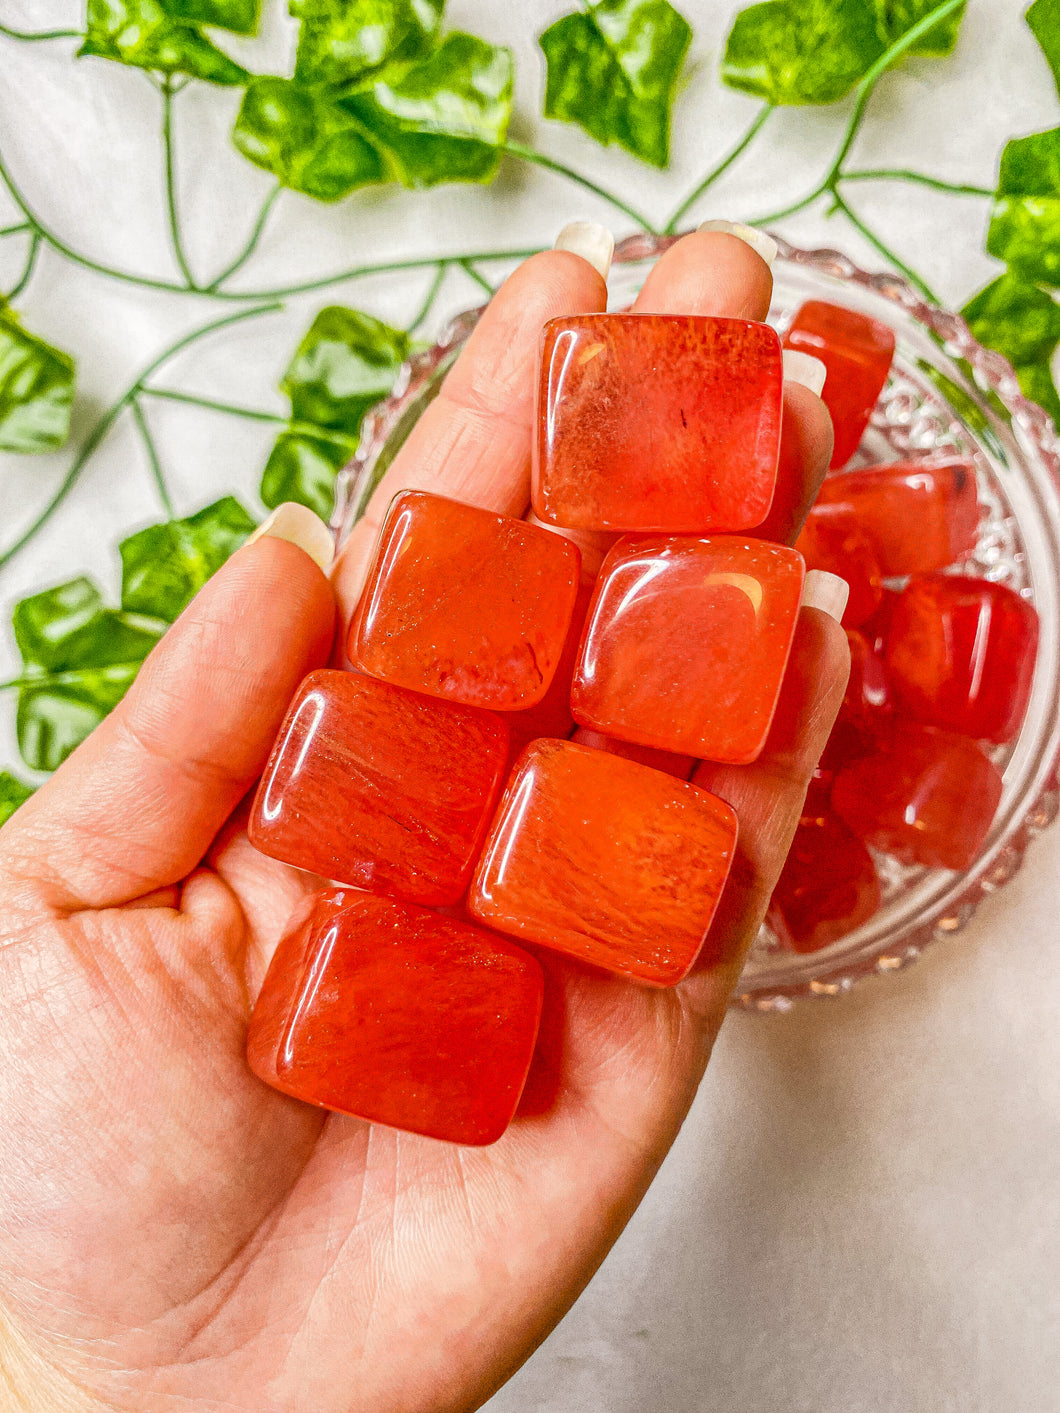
(768, 797)
(805, 451)
(473, 442)
(138, 804)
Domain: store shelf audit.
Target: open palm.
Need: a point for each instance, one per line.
(173, 1233)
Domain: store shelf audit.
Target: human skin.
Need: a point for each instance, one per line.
(175, 1235)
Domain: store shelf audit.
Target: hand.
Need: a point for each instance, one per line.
(174, 1235)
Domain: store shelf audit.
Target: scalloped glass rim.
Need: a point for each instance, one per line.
(947, 393)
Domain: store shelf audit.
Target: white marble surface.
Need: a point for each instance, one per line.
(862, 1214)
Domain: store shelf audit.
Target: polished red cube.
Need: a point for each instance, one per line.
(606, 860)
(960, 654)
(680, 767)
(828, 886)
(925, 796)
(552, 715)
(380, 788)
(464, 604)
(394, 1014)
(657, 422)
(686, 644)
(856, 352)
(919, 515)
(833, 540)
(868, 702)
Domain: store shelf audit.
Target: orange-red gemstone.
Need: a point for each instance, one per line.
(604, 859)
(686, 644)
(857, 353)
(464, 604)
(657, 422)
(552, 715)
(833, 540)
(867, 701)
(925, 796)
(680, 767)
(399, 1016)
(828, 886)
(919, 515)
(380, 788)
(960, 653)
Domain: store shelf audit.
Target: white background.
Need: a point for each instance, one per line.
(863, 1210)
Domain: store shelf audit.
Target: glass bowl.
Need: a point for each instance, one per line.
(945, 394)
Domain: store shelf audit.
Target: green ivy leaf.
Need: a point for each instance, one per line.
(341, 43)
(1025, 220)
(1022, 322)
(306, 140)
(896, 17)
(1036, 381)
(240, 16)
(444, 119)
(345, 363)
(78, 661)
(801, 51)
(613, 70)
(302, 466)
(36, 389)
(12, 794)
(142, 34)
(1016, 318)
(1044, 20)
(164, 566)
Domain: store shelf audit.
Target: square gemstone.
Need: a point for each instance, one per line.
(464, 604)
(919, 515)
(960, 654)
(686, 644)
(606, 860)
(380, 788)
(857, 353)
(399, 1016)
(657, 422)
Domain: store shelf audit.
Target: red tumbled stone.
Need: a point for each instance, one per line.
(657, 422)
(867, 701)
(919, 515)
(833, 540)
(380, 788)
(552, 715)
(857, 353)
(686, 644)
(399, 1016)
(465, 604)
(828, 886)
(924, 796)
(960, 653)
(606, 860)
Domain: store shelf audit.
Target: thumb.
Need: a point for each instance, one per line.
(139, 802)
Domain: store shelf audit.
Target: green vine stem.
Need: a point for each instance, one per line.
(256, 232)
(718, 171)
(484, 285)
(539, 159)
(901, 174)
(153, 458)
(878, 245)
(427, 304)
(388, 267)
(172, 211)
(16, 229)
(107, 419)
(31, 35)
(27, 269)
(254, 414)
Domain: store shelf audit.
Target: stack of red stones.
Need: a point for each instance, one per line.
(940, 667)
(387, 999)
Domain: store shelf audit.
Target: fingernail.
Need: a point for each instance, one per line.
(805, 369)
(759, 242)
(827, 592)
(298, 525)
(591, 241)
